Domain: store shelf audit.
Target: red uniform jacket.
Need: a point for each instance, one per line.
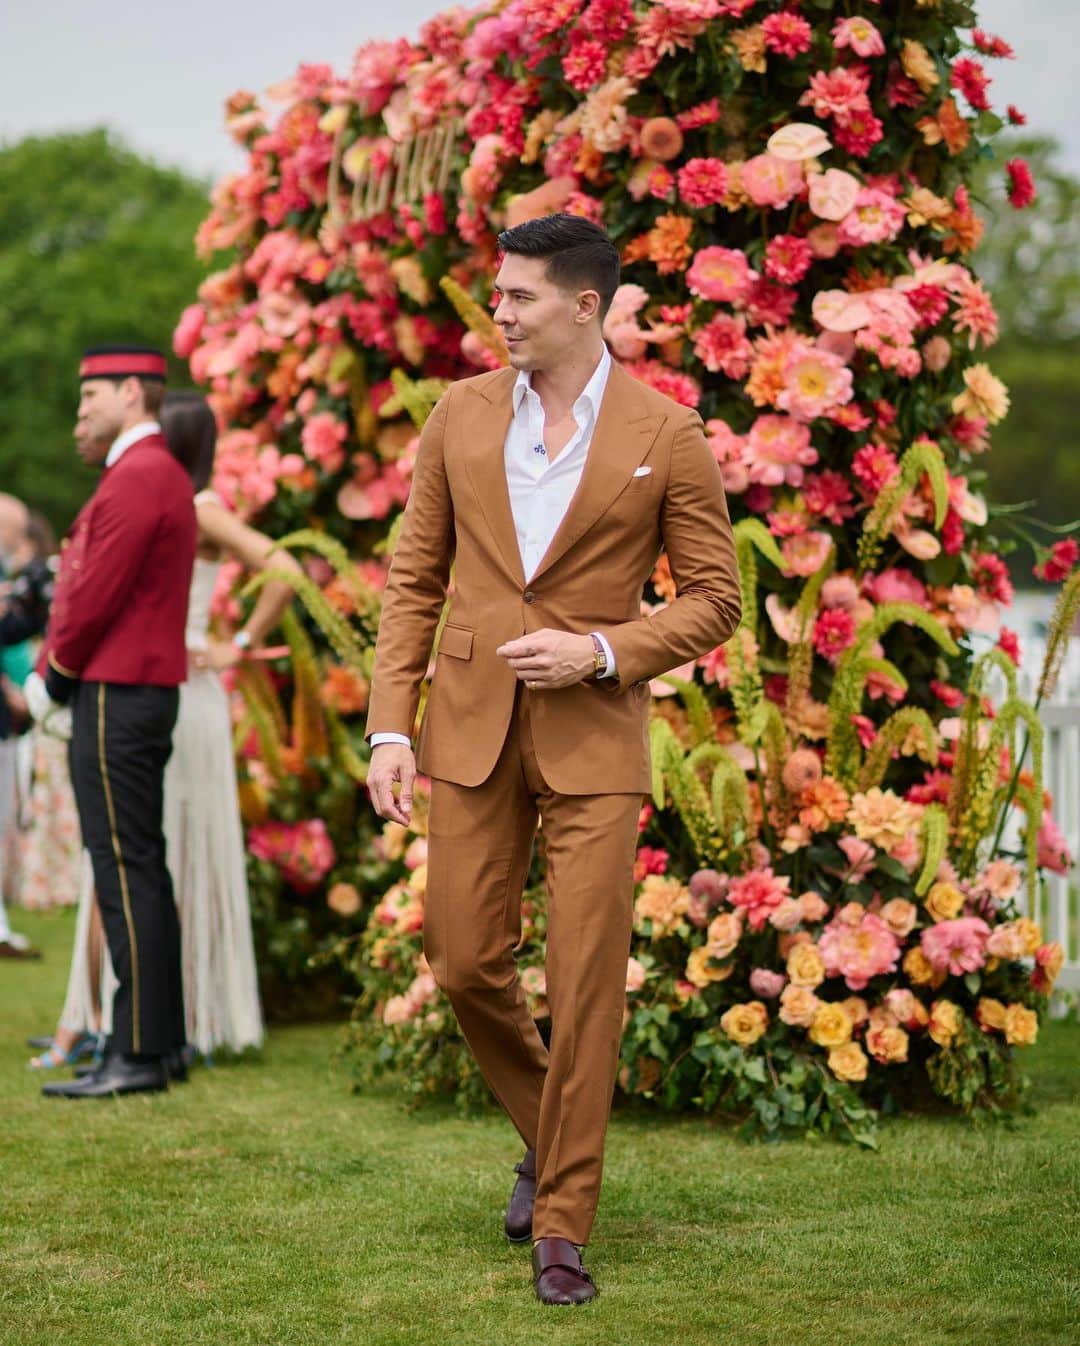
(121, 599)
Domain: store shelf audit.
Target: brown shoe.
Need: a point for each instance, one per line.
(519, 1213)
(558, 1275)
(10, 949)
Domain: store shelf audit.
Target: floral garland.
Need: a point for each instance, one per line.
(824, 918)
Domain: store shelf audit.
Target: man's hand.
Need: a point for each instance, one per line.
(51, 718)
(392, 764)
(547, 660)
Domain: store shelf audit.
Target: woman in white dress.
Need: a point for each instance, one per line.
(203, 832)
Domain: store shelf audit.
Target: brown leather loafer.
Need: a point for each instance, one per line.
(558, 1275)
(519, 1213)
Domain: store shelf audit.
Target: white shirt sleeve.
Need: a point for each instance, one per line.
(609, 654)
(376, 739)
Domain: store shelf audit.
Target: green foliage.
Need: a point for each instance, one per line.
(96, 246)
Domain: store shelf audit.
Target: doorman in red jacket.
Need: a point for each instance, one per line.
(115, 652)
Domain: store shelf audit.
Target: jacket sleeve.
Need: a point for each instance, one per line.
(120, 529)
(700, 545)
(416, 587)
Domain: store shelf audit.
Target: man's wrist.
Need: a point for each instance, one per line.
(377, 740)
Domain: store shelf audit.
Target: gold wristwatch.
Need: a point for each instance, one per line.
(599, 657)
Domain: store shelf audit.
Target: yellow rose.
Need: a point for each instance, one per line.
(990, 1014)
(944, 901)
(1030, 933)
(745, 1023)
(724, 932)
(983, 395)
(920, 970)
(848, 1062)
(699, 971)
(857, 1008)
(1021, 1026)
(805, 966)
(944, 1022)
(887, 1043)
(919, 65)
(900, 916)
(831, 1026)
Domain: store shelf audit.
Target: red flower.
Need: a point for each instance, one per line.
(1009, 641)
(991, 577)
(834, 631)
(873, 467)
(1015, 116)
(972, 80)
(649, 860)
(703, 182)
(990, 45)
(859, 132)
(608, 20)
(952, 534)
(828, 495)
(934, 788)
(950, 696)
(930, 302)
(1059, 562)
(787, 34)
(584, 64)
(702, 114)
(788, 258)
(865, 729)
(1021, 184)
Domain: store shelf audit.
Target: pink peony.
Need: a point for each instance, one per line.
(816, 382)
(805, 555)
(1053, 850)
(303, 851)
(957, 946)
(323, 438)
(757, 894)
(720, 274)
(859, 35)
(767, 984)
(769, 181)
(777, 450)
(876, 217)
(722, 346)
(858, 947)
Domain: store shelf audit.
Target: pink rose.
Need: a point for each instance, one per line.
(767, 984)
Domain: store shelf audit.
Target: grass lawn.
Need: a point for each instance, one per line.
(264, 1204)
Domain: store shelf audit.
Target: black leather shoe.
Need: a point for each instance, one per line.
(558, 1276)
(177, 1063)
(115, 1076)
(41, 1044)
(519, 1212)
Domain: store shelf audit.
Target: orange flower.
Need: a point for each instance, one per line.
(669, 243)
(948, 126)
(823, 803)
(338, 596)
(344, 690)
(661, 139)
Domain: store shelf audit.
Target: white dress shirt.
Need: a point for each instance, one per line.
(122, 443)
(541, 489)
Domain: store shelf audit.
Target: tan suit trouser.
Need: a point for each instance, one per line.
(480, 841)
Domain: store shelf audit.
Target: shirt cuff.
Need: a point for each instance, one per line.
(609, 654)
(376, 739)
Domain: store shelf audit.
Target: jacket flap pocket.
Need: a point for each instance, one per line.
(456, 641)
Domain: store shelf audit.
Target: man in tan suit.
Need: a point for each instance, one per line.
(551, 490)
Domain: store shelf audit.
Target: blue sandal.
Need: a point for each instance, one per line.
(86, 1044)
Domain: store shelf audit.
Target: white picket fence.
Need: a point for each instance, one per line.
(1057, 907)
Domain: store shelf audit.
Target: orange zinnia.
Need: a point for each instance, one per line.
(669, 243)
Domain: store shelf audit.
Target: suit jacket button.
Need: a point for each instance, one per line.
(529, 596)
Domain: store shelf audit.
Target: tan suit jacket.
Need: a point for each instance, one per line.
(591, 738)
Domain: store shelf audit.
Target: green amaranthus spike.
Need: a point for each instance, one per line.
(1066, 612)
(417, 397)
(975, 822)
(751, 535)
(270, 742)
(698, 711)
(892, 735)
(801, 652)
(475, 318)
(342, 752)
(333, 626)
(674, 775)
(1032, 803)
(365, 598)
(934, 832)
(923, 458)
(308, 722)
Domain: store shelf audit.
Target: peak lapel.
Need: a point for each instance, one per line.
(485, 421)
(624, 433)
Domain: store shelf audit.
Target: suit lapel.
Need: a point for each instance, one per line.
(488, 408)
(623, 435)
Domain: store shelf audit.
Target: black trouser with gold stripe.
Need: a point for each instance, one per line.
(121, 741)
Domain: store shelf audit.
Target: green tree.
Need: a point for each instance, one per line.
(96, 246)
(1030, 260)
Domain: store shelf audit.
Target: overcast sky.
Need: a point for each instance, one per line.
(159, 75)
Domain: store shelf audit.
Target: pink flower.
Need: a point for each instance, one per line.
(813, 906)
(876, 217)
(833, 194)
(860, 857)
(957, 946)
(302, 851)
(1053, 850)
(972, 80)
(769, 181)
(681, 388)
(1022, 191)
(722, 346)
(798, 140)
(767, 984)
(896, 586)
(720, 274)
(777, 450)
(858, 948)
(757, 894)
(323, 438)
(1058, 563)
(834, 631)
(816, 382)
(189, 330)
(805, 554)
(786, 33)
(859, 35)
(702, 182)
(635, 976)
(838, 93)
(788, 258)
(874, 467)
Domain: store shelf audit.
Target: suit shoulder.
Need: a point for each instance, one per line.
(491, 381)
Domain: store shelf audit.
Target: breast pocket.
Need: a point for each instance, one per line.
(456, 641)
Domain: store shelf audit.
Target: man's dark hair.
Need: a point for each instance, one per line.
(191, 434)
(579, 255)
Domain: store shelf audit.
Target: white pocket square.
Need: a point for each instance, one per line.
(642, 471)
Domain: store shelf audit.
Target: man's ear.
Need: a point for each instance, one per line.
(588, 306)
